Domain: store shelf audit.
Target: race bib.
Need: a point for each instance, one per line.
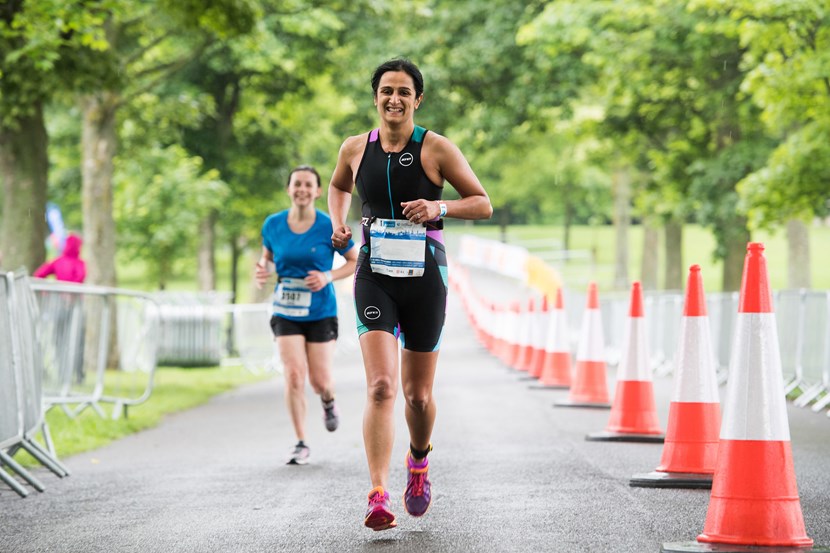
(397, 247)
(292, 298)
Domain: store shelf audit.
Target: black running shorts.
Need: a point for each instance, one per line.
(324, 330)
(413, 308)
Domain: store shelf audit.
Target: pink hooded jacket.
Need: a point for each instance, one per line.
(69, 266)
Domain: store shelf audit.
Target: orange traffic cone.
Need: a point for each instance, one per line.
(633, 414)
(556, 363)
(589, 388)
(540, 331)
(691, 445)
(754, 500)
(526, 321)
(512, 334)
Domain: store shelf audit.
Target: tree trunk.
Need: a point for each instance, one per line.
(236, 252)
(24, 167)
(98, 145)
(622, 221)
(207, 247)
(734, 244)
(566, 241)
(674, 255)
(504, 221)
(98, 142)
(651, 242)
(798, 254)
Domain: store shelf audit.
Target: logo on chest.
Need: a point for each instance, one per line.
(406, 159)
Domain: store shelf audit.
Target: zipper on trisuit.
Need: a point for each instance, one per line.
(389, 183)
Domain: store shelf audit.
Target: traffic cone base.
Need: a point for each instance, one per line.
(606, 436)
(686, 480)
(547, 387)
(587, 404)
(697, 547)
(759, 504)
(691, 438)
(634, 410)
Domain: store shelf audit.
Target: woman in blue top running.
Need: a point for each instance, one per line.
(399, 170)
(304, 320)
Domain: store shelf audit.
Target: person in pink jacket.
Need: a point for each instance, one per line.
(68, 266)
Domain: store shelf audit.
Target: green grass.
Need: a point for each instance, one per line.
(175, 389)
(698, 247)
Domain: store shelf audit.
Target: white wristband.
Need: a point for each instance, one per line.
(328, 276)
(443, 207)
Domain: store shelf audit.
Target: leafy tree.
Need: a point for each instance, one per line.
(43, 49)
(157, 218)
(787, 76)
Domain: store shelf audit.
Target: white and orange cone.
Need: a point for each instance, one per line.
(691, 445)
(540, 331)
(754, 500)
(512, 325)
(556, 363)
(634, 413)
(589, 387)
(525, 336)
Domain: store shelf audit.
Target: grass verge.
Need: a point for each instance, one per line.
(175, 389)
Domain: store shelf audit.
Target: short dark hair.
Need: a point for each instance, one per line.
(399, 64)
(308, 168)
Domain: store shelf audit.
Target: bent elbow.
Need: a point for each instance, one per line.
(486, 209)
(489, 212)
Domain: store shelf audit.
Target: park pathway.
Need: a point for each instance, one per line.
(510, 473)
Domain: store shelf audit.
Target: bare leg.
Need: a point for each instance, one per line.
(380, 359)
(417, 378)
(320, 357)
(293, 356)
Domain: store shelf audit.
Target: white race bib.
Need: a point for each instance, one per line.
(292, 298)
(397, 247)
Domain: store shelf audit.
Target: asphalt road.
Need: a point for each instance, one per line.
(509, 472)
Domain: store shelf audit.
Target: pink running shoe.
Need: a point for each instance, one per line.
(418, 494)
(378, 515)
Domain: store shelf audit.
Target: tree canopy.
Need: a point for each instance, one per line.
(717, 111)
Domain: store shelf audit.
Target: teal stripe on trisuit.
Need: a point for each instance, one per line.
(445, 274)
(438, 345)
(418, 134)
(361, 328)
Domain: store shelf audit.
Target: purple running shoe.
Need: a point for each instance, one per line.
(418, 494)
(378, 515)
(331, 416)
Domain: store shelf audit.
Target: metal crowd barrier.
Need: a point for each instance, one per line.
(191, 328)
(22, 385)
(99, 346)
(252, 341)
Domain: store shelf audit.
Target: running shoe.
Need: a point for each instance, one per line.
(418, 494)
(331, 416)
(378, 515)
(299, 455)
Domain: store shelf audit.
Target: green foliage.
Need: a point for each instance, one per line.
(160, 200)
(795, 182)
(788, 76)
(545, 98)
(43, 46)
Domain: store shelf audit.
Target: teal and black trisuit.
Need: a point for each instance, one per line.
(413, 307)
